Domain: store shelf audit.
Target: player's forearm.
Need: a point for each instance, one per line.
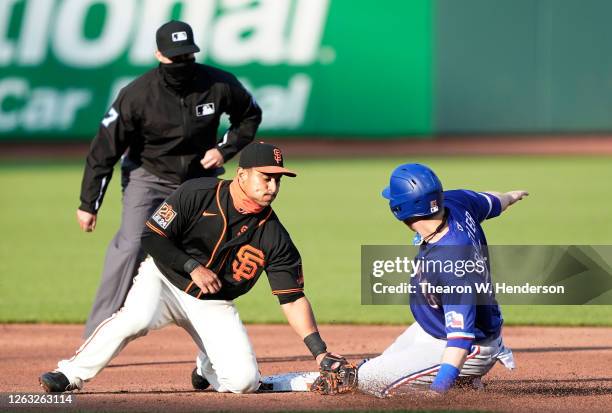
(300, 317)
(455, 356)
(508, 198)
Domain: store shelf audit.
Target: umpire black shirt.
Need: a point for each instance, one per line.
(166, 132)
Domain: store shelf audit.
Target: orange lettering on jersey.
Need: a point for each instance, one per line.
(247, 261)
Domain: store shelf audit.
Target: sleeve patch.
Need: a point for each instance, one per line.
(110, 117)
(164, 215)
(454, 320)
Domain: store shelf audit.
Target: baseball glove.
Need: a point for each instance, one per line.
(336, 376)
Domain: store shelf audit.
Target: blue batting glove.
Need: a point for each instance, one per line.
(445, 378)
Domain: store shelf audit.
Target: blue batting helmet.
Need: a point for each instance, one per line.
(414, 191)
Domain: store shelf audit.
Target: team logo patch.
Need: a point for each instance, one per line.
(278, 156)
(179, 36)
(205, 109)
(433, 206)
(164, 215)
(247, 262)
(454, 320)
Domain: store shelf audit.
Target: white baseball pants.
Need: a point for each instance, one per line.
(414, 359)
(226, 356)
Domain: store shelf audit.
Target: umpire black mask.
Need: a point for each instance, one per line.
(179, 75)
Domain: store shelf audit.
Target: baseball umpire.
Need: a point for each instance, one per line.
(208, 243)
(455, 334)
(165, 124)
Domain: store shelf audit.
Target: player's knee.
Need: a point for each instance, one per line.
(243, 381)
(366, 370)
(130, 323)
(370, 380)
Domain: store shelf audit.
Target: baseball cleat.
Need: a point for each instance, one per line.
(55, 382)
(198, 382)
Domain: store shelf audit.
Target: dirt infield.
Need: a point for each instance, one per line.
(559, 370)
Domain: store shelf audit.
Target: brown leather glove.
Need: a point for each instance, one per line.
(336, 376)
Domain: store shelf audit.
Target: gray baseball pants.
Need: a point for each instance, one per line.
(143, 192)
(414, 359)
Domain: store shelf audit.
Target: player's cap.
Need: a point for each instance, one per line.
(265, 158)
(175, 38)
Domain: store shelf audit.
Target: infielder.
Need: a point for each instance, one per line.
(166, 123)
(208, 243)
(452, 337)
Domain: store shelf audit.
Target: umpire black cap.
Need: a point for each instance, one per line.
(175, 38)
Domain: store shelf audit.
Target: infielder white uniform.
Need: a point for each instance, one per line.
(226, 356)
(208, 233)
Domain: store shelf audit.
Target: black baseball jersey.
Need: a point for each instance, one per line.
(166, 132)
(199, 221)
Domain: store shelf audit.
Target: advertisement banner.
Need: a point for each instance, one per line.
(317, 67)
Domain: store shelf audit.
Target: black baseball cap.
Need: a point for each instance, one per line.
(175, 38)
(265, 158)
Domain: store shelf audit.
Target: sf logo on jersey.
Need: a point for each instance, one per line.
(247, 262)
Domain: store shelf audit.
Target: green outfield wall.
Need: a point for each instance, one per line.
(347, 67)
(523, 66)
(343, 68)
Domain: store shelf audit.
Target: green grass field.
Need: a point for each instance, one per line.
(50, 269)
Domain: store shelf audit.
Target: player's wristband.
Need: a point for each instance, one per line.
(315, 344)
(190, 265)
(445, 378)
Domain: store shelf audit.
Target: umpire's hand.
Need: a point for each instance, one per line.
(212, 159)
(87, 220)
(206, 280)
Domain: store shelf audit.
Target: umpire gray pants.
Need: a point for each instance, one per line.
(143, 192)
